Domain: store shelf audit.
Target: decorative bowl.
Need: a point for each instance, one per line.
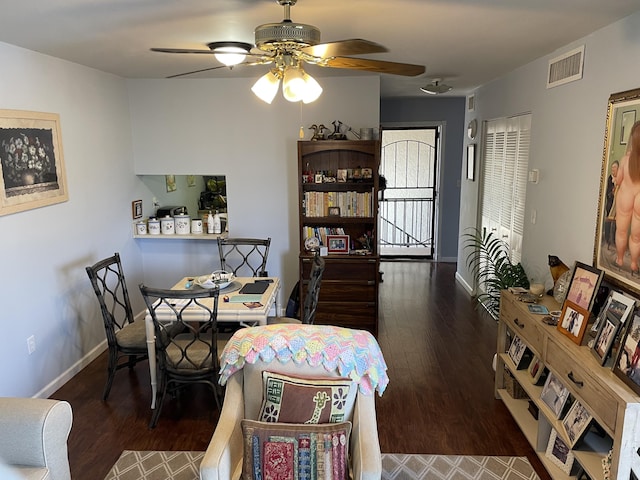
(219, 278)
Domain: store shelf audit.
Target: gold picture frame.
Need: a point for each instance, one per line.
(611, 250)
(32, 173)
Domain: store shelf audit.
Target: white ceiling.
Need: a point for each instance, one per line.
(466, 42)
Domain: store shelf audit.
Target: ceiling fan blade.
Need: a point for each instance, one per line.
(197, 71)
(181, 50)
(380, 66)
(353, 46)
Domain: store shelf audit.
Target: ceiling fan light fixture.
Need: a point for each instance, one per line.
(266, 87)
(313, 90)
(293, 85)
(230, 53)
(435, 87)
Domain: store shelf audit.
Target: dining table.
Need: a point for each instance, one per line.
(233, 306)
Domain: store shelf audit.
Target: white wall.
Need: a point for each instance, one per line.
(45, 290)
(200, 126)
(568, 125)
(113, 129)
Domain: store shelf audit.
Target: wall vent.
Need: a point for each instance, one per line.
(566, 68)
(471, 103)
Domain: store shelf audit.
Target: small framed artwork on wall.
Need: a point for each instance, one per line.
(136, 209)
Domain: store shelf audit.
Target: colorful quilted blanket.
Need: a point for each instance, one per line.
(353, 353)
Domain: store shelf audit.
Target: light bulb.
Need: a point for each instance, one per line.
(313, 90)
(230, 55)
(293, 85)
(266, 87)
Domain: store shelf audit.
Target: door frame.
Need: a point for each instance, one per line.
(441, 127)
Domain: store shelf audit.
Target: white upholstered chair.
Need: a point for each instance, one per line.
(252, 350)
(33, 437)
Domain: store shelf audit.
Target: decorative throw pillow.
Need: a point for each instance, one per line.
(299, 400)
(289, 451)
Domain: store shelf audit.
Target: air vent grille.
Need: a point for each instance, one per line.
(566, 68)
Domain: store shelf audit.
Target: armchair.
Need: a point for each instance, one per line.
(319, 352)
(34, 437)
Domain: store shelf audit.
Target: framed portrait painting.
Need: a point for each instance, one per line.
(614, 225)
(32, 173)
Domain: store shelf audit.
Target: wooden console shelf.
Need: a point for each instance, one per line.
(614, 406)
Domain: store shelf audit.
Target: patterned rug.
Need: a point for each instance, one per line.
(184, 466)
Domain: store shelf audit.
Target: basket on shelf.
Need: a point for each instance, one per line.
(512, 386)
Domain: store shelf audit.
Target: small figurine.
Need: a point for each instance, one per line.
(318, 131)
(337, 134)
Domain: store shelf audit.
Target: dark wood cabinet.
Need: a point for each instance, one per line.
(338, 195)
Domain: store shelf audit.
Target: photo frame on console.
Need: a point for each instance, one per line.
(627, 366)
(622, 111)
(573, 321)
(576, 422)
(584, 285)
(559, 452)
(605, 337)
(338, 243)
(517, 352)
(554, 394)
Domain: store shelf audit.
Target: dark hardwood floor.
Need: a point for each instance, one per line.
(439, 400)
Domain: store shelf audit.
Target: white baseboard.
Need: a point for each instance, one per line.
(464, 284)
(58, 382)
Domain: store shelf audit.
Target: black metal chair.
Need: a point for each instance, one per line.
(125, 337)
(311, 298)
(190, 357)
(245, 257)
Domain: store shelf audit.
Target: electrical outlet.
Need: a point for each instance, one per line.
(31, 344)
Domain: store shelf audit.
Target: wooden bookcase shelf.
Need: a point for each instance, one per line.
(615, 408)
(349, 291)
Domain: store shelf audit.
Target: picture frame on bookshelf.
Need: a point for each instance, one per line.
(626, 366)
(536, 369)
(605, 337)
(554, 394)
(338, 243)
(367, 173)
(584, 285)
(333, 211)
(517, 351)
(559, 452)
(576, 422)
(342, 175)
(573, 321)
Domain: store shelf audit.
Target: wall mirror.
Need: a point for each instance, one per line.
(199, 194)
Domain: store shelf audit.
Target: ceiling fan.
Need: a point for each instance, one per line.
(287, 46)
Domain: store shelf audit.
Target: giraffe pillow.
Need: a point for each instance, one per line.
(288, 399)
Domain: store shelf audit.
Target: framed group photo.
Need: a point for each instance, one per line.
(618, 306)
(611, 252)
(338, 243)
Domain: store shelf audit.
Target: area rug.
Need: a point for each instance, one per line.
(134, 465)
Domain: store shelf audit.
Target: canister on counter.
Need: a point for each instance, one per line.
(196, 226)
(183, 224)
(168, 225)
(154, 226)
(141, 227)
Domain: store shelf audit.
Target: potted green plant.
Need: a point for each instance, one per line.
(489, 262)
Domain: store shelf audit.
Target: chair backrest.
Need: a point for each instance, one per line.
(244, 256)
(109, 285)
(313, 290)
(196, 315)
